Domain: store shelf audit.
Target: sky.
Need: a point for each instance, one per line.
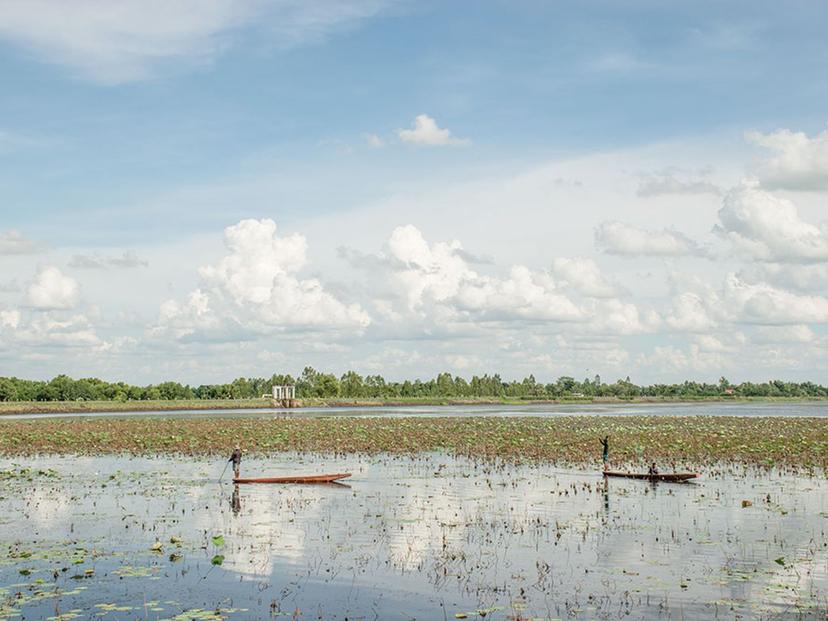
(198, 190)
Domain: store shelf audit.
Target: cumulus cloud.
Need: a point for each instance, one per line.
(626, 240)
(807, 277)
(45, 330)
(616, 317)
(525, 294)
(799, 162)
(434, 270)
(438, 273)
(761, 303)
(184, 318)
(256, 286)
(797, 333)
(769, 228)
(53, 290)
(426, 132)
(14, 242)
(740, 301)
(584, 276)
(115, 42)
(50, 329)
(374, 140)
(690, 313)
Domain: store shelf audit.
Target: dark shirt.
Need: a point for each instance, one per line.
(235, 457)
(605, 444)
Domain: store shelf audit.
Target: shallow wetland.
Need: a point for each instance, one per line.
(501, 517)
(409, 537)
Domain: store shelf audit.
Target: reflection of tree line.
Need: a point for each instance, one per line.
(312, 383)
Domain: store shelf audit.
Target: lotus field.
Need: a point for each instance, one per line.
(691, 440)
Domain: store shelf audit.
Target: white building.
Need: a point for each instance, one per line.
(283, 393)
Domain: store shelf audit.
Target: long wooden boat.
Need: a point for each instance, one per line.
(676, 477)
(314, 478)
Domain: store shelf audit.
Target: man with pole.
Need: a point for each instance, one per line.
(236, 459)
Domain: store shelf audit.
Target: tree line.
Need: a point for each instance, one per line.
(352, 385)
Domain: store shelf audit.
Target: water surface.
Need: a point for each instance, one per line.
(701, 408)
(427, 537)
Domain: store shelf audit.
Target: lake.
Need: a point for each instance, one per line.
(701, 408)
(423, 537)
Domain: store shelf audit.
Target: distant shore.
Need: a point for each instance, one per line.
(92, 407)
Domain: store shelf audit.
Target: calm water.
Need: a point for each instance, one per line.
(428, 538)
(801, 408)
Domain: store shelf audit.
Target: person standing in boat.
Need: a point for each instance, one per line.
(236, 459)
(605, 446)
(653, 472)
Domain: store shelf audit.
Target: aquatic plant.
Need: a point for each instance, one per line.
(765, 441)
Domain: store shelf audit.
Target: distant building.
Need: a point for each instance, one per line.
(284, 393)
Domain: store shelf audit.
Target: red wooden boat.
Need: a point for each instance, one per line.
(315, 478)
(676, 477)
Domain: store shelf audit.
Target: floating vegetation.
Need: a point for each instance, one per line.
(765, 441)
(26, 473)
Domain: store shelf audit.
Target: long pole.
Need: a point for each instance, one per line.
(223, 471)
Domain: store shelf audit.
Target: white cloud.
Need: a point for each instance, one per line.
(426, 132)
(808, 278)
(619, 317)
(14, 242)
(185, 318)
(9, 319)
(46, 330)
(690, 313)
(797, 333)
(127, 40)
(703, 308)
(584, 276)
(525, 294)
(800, 162)
(53, 290)
(672, 181)
(769, 228)
(624, 239)
(255, 286)
(439, 273)
(434, 270)
(374, 140)
(761, 303)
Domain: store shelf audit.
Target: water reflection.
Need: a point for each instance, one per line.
(421, 535)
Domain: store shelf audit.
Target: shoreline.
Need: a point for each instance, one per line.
(92, 407)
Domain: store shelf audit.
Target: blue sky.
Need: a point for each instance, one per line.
(140, 130)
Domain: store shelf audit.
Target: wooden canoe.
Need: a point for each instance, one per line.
(676, 477)
(315, 478)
